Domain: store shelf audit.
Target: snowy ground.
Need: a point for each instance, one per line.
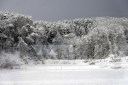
(63, 75)
(69, 72)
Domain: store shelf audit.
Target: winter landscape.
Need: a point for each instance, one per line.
(84, 51)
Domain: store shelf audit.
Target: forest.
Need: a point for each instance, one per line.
(83, 38)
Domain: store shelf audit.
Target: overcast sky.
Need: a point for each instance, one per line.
(54, 10)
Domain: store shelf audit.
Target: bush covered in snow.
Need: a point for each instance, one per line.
(86, 38)
(9, 60)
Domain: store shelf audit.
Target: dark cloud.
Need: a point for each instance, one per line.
(53, 10)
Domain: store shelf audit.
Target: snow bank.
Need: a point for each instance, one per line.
(109, 63)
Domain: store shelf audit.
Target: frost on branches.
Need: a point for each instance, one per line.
(85, 38)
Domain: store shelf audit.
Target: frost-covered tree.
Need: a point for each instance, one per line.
(23, 47)
(90, 38)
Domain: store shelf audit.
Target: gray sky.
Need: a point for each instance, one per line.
(54, 10)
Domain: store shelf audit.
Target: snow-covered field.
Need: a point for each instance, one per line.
(63, 75)
(68, 72)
